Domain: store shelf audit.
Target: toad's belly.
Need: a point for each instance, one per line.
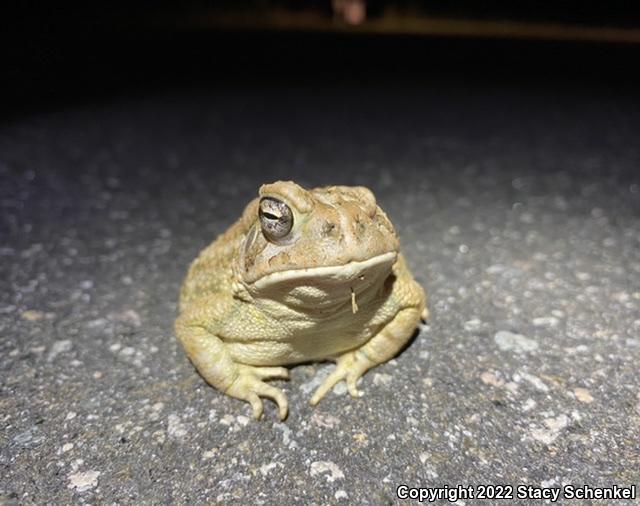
(305, 348)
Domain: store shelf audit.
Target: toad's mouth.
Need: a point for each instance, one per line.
(355, 275)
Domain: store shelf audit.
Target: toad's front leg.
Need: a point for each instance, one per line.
(382, 347)
(196, 329)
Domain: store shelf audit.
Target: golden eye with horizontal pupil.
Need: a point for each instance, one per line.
(276, 218)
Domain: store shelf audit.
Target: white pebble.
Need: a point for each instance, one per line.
(535, 381)
(508, 341)
(333, 472)
(175, 428)
(546, 321)
(81, 482)
(267, 468)
(59, 347)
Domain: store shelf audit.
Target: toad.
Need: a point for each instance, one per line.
(303, 275)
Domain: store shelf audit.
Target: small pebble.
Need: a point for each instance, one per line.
(583, 395)
(327, 468)
(508, 341)
(81, 482)
(32, 315)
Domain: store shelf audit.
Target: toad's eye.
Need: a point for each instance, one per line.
(276, 219)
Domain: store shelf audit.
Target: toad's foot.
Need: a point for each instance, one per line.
(209, 354)
(382, 347)
(249, 386)
(350, 367)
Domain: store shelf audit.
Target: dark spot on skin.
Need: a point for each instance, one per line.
(360, 227)
(328, 228)
(249, 263)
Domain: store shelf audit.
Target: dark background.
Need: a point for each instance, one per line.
(70, 52)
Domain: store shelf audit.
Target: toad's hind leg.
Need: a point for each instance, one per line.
(382, 347)
(196, 329)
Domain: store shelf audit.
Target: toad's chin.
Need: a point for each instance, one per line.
(327, 285)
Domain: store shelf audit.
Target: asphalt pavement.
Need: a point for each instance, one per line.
(518, 209)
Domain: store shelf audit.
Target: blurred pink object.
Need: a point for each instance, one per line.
(352, 12)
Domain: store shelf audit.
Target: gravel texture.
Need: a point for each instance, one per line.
(518, 210)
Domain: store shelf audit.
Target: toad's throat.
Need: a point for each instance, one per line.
(354, 275)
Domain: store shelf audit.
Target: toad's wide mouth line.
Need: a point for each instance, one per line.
(337, 273)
